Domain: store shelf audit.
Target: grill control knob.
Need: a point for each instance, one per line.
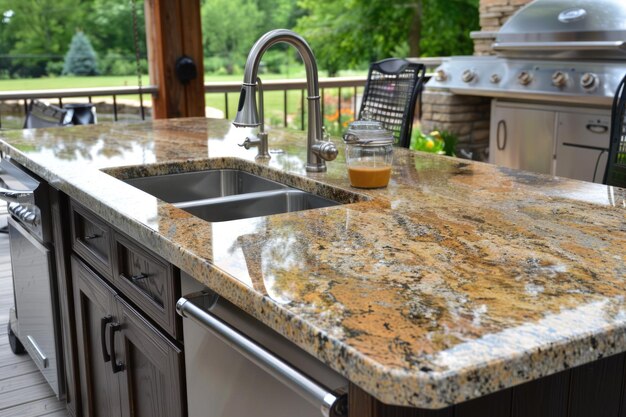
(524, 78)
(589, 81)
(559, 79)
(440, 75)
(468, 76)
(495, 78)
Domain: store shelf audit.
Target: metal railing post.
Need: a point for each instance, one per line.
(339, 108)
(285, 108)
(302, 109)
(114, 108)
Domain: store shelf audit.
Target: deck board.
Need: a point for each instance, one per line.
(23, 390)
(13, 370)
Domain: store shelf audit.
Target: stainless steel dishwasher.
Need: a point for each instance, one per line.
(33, 323)
(237, 367)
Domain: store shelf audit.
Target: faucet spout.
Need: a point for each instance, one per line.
(247, 114)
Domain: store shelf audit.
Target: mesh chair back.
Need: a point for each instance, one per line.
(42, 115)
(615, 173)
(392, 89)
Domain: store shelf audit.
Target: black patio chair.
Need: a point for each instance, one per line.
(392, 89)
(40, 114)
(615, 173)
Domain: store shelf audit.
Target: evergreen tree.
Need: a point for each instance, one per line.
(81, 59)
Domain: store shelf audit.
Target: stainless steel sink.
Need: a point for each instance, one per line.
(199, 185)
(228, 194)
(264, 203)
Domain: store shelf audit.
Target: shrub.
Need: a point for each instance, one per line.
(443, 143)
(214, 65)
(54, 68)
(81, 59)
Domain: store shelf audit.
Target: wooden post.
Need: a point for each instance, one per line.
(173, 29)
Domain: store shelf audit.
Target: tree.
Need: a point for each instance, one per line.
(352, 33)
(81, 58)
(446, 27)
(230, 28)
(39, 32)
(111, 34)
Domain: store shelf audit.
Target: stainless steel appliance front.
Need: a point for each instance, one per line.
(566, 141)
(33, 319)
(32, 265)
(221, 382)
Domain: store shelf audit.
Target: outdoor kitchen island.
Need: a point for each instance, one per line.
(457, 281)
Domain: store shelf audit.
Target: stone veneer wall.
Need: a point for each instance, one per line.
(465, 116)
(493, 14)
(468, 116)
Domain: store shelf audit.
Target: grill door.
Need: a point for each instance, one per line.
(582, 145)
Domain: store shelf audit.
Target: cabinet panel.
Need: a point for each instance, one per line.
(152, 380)
(93, 303)
(59, 210)
(147, 281)
(546, 397)
(91, 239)
(522, 138)
(583, 145)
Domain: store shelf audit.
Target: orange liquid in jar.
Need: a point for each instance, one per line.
(369, 177)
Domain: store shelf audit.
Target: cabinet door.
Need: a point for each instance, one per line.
(151, 380)
(94, 304)
(583, 145)
(522, 138)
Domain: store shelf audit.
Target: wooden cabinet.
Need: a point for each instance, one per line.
(148, 282)
(91, 239)
(94, 303)
(127, 367)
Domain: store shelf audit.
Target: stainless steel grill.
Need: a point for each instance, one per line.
(550, 50)
(570, 54)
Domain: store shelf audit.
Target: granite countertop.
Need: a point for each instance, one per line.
(457, 280)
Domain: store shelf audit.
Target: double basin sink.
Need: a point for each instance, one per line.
(228, 194)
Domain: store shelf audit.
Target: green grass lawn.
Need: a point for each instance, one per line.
(274, 100)
(53, 83)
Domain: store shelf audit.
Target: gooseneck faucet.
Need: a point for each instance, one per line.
(318, 150)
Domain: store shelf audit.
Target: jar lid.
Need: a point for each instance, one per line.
(367, 133)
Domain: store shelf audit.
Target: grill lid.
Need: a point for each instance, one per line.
(574, 25)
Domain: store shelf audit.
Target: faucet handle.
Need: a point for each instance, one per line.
(325, 150)
(249, 143)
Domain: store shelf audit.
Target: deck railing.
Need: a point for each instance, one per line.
(342, 93)
(25, 96)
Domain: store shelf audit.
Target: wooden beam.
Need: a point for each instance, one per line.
(173, 30)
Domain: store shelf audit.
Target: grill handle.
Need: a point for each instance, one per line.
(331, 404)
(559, 46)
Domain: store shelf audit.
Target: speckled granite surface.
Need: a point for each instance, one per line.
(457, 280)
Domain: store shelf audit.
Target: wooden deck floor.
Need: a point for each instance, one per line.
(23, 390)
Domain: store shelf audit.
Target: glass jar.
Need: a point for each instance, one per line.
(369, 154)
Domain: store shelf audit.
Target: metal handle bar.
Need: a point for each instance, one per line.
(16, 196)
(331, 404)
(558, 46)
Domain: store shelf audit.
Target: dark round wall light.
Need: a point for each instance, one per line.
(185, 69)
